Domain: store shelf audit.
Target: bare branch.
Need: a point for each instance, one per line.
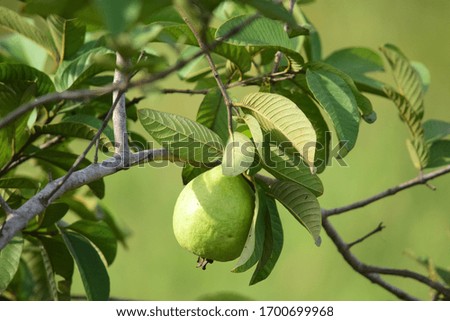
(379, 228)
(184, 91)
(359, 266)
(83, 94)
(19, 218)
(373, 272)
(419, 180)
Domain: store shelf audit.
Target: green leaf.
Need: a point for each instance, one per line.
(19, 78)
(312, 111)
(238, 155)
(424, 74)
(291, 167)
(435, 129)
(254, 245)
(414, 123)
(118, 15)
(9, 261)
(255, 130)
(273, 10)
(302, 204)
(313, 45)
(284, 121)
(37, 259)
(62, 263)
(364, 104)
(18, 182)
(79, 71)
(119, 230)
(273, 243)
(356, 62)
(22, 285)
(439, 154)
(100, 234)
(186, 139)
(92, 270)
(238, 55)
(261, 32)
(212, 113)
(12, 21)
(337, 98)
(68, 35)
(407, 78)
(65, 160)
(72, 127)
(53, 214)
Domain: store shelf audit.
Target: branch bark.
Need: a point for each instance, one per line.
(119, 116)
(17, 219)
(419, 180)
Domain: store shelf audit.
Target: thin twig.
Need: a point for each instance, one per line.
(358, 266)
(419, 180)
(5, 206)
(212, 66)
(379, 228)
(86, 94)
(279, 54)
(184, 91)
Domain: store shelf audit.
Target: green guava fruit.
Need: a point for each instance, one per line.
(212, 216)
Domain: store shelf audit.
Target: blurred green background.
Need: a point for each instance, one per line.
(154, 267)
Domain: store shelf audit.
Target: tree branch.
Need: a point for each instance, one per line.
(373, 272)
(119, 116)
(17, 219)
(378, 229)
(212, 66)
(419, 180)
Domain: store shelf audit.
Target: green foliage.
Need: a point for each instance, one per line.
(278, 137)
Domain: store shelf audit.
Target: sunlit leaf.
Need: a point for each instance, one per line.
(68, 35)
(312, 111)
(261, 32)
(408, 80)
(255, 240)
(12, 21)
(75, 73)
(284, 121)
(238, 155)
(181, 32)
